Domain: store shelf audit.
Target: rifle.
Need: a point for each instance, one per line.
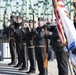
(21, 35)
(12, 35)
(46, 51)
(4, 17)
(33, 26)
(4, 31)
(21, 40)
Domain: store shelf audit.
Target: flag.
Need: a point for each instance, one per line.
(67, 24)
(69, 29)
(59, 25)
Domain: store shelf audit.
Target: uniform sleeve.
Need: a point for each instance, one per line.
(54, 35)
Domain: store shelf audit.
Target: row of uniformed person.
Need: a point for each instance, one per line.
(36, 47)
(20, 37)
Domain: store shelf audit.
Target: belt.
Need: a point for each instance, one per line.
(24, 43)
(30, 47)
(58, 40)
(42, 46)
(11, 38)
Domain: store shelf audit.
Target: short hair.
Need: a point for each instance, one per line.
(40, 19)
(19, 17)
(11, 17)
(31, 21)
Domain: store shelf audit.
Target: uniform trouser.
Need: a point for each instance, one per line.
(40, 58)
(51, 54)
(12, 51)
(62, 62)
(24, 57)
(32, 59)
(18, 51)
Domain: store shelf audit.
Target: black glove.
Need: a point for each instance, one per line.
(74, 51)
(46, 36)
(46, 26)
(16, 32)
(34, 31)
(23, 31)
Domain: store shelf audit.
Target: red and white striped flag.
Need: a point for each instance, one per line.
(59, 23)
(69, 29)
(61, 4)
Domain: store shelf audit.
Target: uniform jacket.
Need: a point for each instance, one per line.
(39, 36)
(55, 41)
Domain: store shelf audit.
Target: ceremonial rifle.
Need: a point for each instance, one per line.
(4, 17)
(46, 50)
(21, 35)
(4, 31)
(33, 19)
(33, 27)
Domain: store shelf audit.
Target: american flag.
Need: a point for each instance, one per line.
(69, 28)
(64, 23)
(59, 23)
(61, 4)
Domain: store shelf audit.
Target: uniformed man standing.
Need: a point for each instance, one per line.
(30, 47)
(23, 52)
(40, 46)
(17, 34)
(51, 54)
(12, 44)
(61, 56)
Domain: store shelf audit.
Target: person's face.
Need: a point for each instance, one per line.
(15, 19)
(23, 25)
(48, 20)
(31, 24)
(40, 23)
(6, 23)
(75, 19)
(19, 20)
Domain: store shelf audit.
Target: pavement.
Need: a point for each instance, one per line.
(10, 70)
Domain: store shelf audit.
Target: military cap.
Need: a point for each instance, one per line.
(26, 21)
(11, 17)
(19, 17)
(31, 21)
(40, 19)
